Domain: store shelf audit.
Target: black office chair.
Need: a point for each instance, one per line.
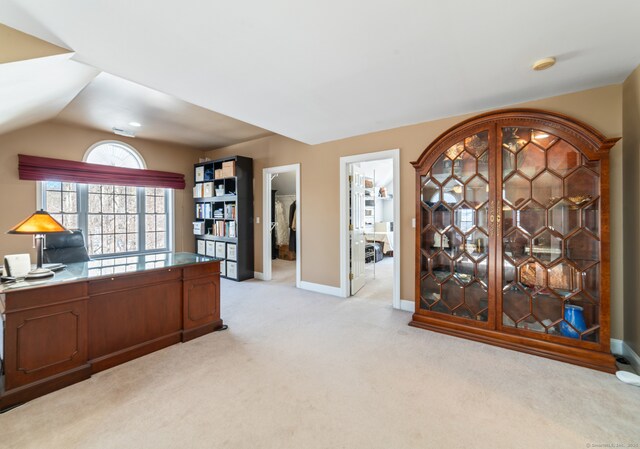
(65, 247)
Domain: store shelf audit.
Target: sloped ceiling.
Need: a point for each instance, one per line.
(319, 71)
(109, 101)
(18, 46)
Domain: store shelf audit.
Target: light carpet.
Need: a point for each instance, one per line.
(298, 369)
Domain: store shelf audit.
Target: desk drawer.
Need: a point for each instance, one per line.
(130, 281)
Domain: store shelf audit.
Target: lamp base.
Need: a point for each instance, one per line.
(39, 273)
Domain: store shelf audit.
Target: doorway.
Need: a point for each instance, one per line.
(369, 218)
(281, 224)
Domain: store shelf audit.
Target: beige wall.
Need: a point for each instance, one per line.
(631, 158)
(58, 140)
(601, 108)
(18, 46)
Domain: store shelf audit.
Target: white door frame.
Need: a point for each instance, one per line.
(267, 174)
(344, 218)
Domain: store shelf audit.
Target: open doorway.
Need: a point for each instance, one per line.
(370, 246)
(281, 225)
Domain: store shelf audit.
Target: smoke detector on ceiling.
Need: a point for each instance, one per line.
(123, 132)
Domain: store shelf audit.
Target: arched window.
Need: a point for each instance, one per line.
(114, 219)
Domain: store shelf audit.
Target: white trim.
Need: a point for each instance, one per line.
(621, 347)
(344, 217)
(321, 288)
(407, 305)
(266, 223)
(258, 275)
(135, 152)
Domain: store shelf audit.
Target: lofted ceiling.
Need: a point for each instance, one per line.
(320, 71)
(109, 101)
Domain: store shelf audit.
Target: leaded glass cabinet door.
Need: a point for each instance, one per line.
(455, 248)
(551, 237)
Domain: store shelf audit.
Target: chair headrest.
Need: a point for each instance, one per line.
(65, 240)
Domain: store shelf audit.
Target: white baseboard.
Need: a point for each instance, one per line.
(407, 306)
(622, 348)
(258, 275)
(321, 288)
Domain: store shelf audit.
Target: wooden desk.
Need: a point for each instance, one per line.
(98, 314)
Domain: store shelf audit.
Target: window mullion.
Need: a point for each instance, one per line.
(142, 244)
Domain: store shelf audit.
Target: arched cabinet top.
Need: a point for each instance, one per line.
(587, 139)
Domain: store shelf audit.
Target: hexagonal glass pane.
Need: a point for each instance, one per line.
(564, 217)
(452, 294)
(508, 273)
(563, 279)
(591, 282)
(483, 271)
(483, 165)
(454, 150)
(477, 192)
(532, 276)
(562, 157)
(581, 186)
(547, 247)
(508, 163)
(478, 143)
(441, 170)
(517, 246)
(531, 217)
(481, 217)
(477, 244)
(542, 138)
(547, 189)
(582, 249)
(514, 139)
(430, 193)
(509, 218)
(591, 217)
(455, 243)
(441, 266)
(531, 323)
(426, 216)
(464, 166)
(515, 303)
(463, 269)
(464, 217)
(441, 217)
(452, 192)
(547, 309)
(430, 241)
(429, 292)
(531, 160)
(516, 190)
(440, 307)
(476, 299)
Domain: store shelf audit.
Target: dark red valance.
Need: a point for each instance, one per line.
(47, 169)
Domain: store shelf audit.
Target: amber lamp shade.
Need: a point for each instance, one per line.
(38, 224)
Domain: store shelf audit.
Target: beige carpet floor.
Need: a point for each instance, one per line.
(302, 370)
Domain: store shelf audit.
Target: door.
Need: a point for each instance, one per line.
(356, 228)
(456, 232)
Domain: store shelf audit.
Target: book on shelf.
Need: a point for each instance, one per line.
(197, 191)
(230, 211)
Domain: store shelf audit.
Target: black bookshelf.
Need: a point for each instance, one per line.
(225, 233)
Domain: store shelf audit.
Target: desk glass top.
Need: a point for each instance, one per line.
(98, 268)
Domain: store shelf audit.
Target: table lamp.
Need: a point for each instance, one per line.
(38, 224)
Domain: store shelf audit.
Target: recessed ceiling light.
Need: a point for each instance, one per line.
(136, 124)
(544, 63)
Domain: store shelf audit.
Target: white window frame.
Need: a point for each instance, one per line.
(83, 197)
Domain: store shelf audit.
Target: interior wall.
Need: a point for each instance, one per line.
(600, 108)
(64, 141)
(631, 179)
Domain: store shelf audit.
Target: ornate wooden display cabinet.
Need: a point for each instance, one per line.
(513, 235)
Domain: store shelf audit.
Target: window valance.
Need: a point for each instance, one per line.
(37, 168)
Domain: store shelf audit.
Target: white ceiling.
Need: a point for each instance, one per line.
(38, 89)
(109, 101)
(319, 71)
(381, 171)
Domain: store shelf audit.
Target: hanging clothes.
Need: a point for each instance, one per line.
(282, 225)
(292, 227)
